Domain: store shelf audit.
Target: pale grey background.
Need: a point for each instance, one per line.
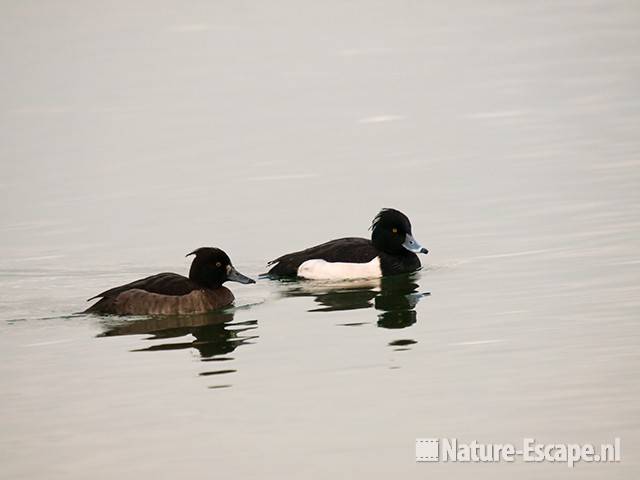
(133, 132)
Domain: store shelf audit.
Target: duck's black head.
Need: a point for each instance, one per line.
(391, 233)
(212, 267)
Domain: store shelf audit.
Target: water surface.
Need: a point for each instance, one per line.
(134, 133)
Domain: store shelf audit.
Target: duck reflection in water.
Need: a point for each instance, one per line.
(215, 334)
(394, 297)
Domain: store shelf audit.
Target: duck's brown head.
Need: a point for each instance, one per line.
(211, 267)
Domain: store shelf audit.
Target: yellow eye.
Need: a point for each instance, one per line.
(218, 264)
(395, 230)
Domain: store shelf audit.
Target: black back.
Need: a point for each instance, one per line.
(161, 283)
(350, 249)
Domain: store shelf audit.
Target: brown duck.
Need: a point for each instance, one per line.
(173, 294)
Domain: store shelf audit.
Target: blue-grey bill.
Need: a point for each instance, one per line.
(235, 276)
(412, 245)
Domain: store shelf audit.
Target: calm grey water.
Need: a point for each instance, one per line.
(132, 133)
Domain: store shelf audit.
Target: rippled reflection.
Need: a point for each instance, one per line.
(395, 298)
(215, 335)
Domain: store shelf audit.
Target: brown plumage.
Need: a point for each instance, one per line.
(173, 294)
(141, 302)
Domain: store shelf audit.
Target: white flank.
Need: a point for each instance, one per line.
(323, 270)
